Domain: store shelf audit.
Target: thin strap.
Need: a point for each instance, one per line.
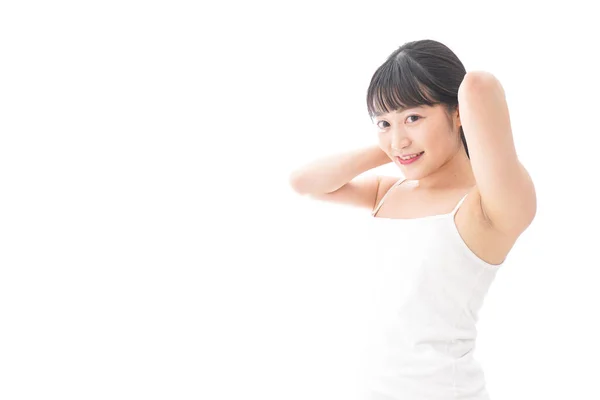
(459, 203)
(385, 195)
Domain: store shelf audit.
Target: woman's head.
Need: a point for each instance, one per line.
(413, 100)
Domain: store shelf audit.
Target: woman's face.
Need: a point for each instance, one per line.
(424, 129)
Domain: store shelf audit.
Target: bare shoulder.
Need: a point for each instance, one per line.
(385, 184)
(485, 241)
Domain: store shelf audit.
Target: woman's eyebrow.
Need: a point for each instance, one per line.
(398, 111)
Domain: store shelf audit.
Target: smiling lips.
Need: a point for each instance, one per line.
(412, 158)
(408, 156)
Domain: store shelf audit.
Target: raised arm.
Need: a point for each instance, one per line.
(336, 178)
(508, 197)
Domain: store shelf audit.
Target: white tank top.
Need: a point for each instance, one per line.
(433, 288)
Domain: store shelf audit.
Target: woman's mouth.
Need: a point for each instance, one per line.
(410, 160)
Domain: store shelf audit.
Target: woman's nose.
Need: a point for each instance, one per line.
(399, 142)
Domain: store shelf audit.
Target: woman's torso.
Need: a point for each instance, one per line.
(434, 267)
(401, 201)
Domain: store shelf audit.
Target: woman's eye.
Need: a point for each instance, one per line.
(407, 118)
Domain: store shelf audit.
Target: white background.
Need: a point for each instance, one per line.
(151, 247)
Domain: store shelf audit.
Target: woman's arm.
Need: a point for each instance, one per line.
(328, 174)
(508, 197)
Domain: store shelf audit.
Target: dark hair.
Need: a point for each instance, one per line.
(422, 72)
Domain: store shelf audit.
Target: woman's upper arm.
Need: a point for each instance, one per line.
(363, 191)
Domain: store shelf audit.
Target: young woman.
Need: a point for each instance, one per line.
(469, 203)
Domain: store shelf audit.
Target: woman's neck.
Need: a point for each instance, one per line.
(457, 172)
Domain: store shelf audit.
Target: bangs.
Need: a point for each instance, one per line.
(395, 86)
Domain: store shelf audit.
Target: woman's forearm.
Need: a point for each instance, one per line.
(328, 174)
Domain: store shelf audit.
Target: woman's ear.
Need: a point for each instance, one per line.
(457, 116)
